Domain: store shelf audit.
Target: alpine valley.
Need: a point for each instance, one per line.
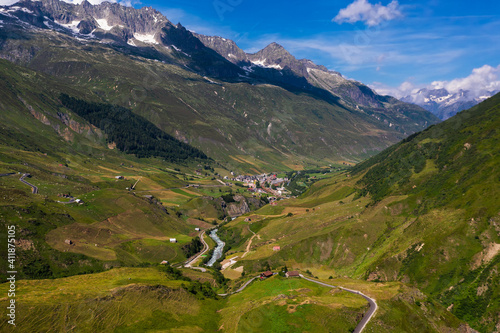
(133, 151)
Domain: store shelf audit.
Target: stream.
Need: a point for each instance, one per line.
(218, 249)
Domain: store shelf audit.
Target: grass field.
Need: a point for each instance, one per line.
(147, 299)
(291, 305)
(121, 300)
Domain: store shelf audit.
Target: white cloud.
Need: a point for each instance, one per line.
(372, 53)
(371, 15)
(485, 78)
(404, 89)
(481, 81)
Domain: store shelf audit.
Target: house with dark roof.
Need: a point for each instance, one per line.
(292, 274)
(266, 274)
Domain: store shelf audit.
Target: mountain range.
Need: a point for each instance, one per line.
(214, 96)
(276, 63)
(445, 104)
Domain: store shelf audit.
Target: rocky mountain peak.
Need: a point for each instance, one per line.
(276, 56)
(86, 4)
(146, 30)
(225, 47)
(273, 56)
(85, 17)
(274, 47)
(110, 21)
(152, 35)
(273, 53)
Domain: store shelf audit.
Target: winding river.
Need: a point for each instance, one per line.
(218, 249)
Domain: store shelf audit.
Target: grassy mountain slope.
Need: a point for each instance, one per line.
(423, 212)
(126, 299)
(131, 133)
(451, 164)
(151, 299)
(67, 156)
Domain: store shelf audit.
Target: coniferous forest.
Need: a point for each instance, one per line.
(132, 133)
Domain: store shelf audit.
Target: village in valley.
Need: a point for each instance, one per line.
(264, 184)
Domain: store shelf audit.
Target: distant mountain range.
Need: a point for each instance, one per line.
(268, 107)
(445, 104)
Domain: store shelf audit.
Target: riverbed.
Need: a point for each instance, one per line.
(218, 249)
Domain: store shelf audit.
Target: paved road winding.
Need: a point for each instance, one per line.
(34, 189)
(366, 318)
(241, 288)
(368, 315)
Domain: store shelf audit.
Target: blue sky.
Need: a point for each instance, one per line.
(385, 44)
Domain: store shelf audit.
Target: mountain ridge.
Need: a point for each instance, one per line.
(274, 58)
(445, 104)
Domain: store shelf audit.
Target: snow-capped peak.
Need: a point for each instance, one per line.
(443, 103)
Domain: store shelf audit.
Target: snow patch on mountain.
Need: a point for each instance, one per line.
(262, 63)
(278, 67)
(73, 26)
(103, 24)
(248, 69)
(16, 8)
(259, 62)
(7, 11)
(446, 98)
(179, 50)
(146, 38)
